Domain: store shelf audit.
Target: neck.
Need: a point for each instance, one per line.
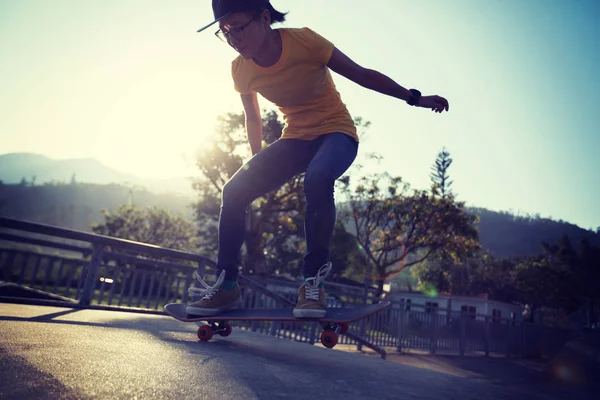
(270, 50)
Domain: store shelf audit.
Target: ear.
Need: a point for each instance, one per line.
(265, 17)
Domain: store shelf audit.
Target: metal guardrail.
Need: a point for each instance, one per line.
(107, 273)
(96, 269)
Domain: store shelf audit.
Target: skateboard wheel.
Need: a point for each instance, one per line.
(329, 339)
(343, 328)
(226, 331)
(205, 333)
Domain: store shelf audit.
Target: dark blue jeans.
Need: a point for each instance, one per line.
(323, 159)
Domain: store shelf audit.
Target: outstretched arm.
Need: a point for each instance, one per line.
(374, 80)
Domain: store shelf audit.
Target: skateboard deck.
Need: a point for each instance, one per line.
(335, 321)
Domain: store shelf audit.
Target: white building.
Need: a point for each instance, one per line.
(476, 307)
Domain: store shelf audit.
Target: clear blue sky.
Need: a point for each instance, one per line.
(131, 83)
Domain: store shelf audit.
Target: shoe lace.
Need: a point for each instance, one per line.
(311, 288)
(206, 291)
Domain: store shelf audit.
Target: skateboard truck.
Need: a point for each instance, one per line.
(206, 332)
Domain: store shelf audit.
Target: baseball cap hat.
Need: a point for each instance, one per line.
(224, 8)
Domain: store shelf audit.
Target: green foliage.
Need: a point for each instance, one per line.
(562, 277)
(345, 255)
(398, 228)
(439, 175)
(581, 265)
(152, 225)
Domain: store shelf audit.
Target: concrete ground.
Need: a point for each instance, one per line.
(62, 353)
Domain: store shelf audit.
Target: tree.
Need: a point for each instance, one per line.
(443, 268)
(439, 175)
(564, 277)
(579, 270)
(151, 225)
(539, 282)
(397, 229)
(345, 255)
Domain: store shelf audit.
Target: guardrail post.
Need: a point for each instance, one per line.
(365, 298)
(487, 335)
(433, 327)
(508, 339)
(91, 275)
(462, 335)
(400, 326)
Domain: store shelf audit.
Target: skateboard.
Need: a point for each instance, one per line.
(334, 323)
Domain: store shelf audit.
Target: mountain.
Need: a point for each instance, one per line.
(79, 205)
(504, 234)
(38, 169)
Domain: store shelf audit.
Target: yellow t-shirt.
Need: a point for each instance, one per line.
(300, 85)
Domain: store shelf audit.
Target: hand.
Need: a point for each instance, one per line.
(436, 103)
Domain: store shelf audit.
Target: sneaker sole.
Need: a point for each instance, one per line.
(308, 313)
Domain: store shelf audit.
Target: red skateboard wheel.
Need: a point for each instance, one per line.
(343, 328)
(329, 339)
(205, 333)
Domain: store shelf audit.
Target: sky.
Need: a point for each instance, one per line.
(131, 83)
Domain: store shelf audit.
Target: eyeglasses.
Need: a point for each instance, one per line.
(236, 33)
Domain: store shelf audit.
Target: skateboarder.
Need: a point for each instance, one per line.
(290, 68)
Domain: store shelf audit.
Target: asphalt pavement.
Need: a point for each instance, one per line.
(61, 353)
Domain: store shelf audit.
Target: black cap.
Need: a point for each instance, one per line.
(224, 8)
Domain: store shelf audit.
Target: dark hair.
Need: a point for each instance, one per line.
(276, 16)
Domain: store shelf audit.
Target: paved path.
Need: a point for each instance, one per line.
(61, 353)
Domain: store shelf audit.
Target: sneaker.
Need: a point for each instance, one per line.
(213, 299)
(311, 296)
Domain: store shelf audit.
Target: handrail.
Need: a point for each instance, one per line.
(156, 251)
(276, 296)
(45, 243)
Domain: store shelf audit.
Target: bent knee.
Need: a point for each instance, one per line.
(318, 185)
(232, 193)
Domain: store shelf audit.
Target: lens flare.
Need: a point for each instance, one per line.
(568, 373)
(429, 290)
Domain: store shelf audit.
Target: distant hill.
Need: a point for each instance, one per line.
(79, 205)
(505, 234)
(39, 169)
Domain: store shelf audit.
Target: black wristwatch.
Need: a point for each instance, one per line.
(414, 99)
